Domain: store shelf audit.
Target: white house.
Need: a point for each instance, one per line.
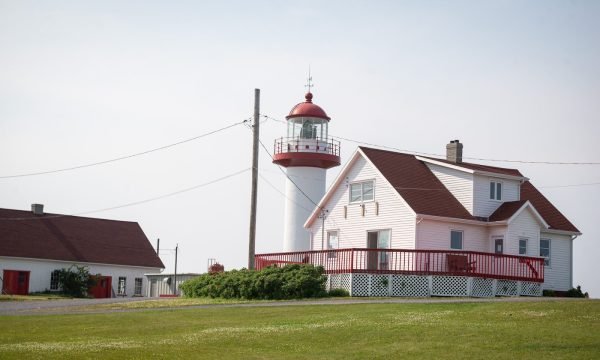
(439, 227)
(33, 245)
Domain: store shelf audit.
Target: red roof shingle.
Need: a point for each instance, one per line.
(74, 238)
(506, 210)
(426, 195)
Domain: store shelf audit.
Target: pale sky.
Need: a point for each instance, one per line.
(82, 82)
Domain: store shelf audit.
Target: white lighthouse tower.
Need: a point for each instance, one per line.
(306, 153)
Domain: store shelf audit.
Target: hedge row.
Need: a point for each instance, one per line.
(271, 283)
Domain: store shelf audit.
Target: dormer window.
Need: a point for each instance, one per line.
(362, 191)
(495, 190)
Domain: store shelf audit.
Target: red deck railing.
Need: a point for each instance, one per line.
(415, 262)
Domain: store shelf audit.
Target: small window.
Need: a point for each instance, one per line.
(332, 243)
(362, 191)
(545, 250)
(54, 280)
(122, 286)
(522, 246)
(499, 245)
(495, 190)
(137, 291)
(456, 240)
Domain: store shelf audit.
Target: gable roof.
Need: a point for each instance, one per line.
(509, 210)
(74, 238)
(555, 219)
(417, 185)
(425, 194)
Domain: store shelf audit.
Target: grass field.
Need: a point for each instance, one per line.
(33, 297)
(502, 330)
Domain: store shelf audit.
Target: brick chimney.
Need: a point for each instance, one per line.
(454, 151)
(37, 209)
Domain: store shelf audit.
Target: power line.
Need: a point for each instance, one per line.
(286, 175)
(438, 155)
(132, 203)
(124, 157)
(568, 185)
(282, 194)
(295, 203)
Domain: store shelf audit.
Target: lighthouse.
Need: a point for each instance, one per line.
(306, 152)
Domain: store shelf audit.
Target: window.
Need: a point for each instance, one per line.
(498, 245)
(137, 291)
(54, 280)
(121, 287)
(545, 250)
(362, 191)
(332, 243)
(522, 246)
(456, 240)
(495, 190)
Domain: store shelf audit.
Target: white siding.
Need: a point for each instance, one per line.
(435, 235)
(482, 204)
(524, 226)
(352, 229)
(40, 270)
(459, 183)
(557, 276)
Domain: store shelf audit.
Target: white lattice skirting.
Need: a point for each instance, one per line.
(424, 286)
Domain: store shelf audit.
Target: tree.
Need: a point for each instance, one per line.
(75, 281)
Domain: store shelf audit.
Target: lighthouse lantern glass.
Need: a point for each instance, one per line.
(307, 128)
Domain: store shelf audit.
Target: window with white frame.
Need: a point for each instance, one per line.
(522, 246)
(362, 191)
(54, 279)
(137, 290)
(122, 286)
(545, 250)
(332, 243)
(456, 239)
(495, 190)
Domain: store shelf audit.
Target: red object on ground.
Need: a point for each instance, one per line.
(102, 289)
(15, 282)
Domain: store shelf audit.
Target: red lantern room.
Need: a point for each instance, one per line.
(307, 143)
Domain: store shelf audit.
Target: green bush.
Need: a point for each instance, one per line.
(272, 283)
(75, 281)
(338, 293)
(576, 293)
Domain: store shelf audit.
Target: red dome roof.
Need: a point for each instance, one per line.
(307, 109)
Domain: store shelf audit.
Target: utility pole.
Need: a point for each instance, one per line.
(255, 131)
(175, 276)
(157, 246)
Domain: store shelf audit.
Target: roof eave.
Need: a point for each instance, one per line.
(471, 171)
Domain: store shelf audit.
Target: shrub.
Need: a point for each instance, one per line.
(549, 293)
(75, 281)
(576, 293)
(338, 293)
(272, 283)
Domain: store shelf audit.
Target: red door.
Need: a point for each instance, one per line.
(15, 282)
(102, 289)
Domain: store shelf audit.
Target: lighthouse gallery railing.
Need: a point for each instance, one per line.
(415, 262)
(299, 144)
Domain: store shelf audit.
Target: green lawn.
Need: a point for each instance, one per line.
(33, 297)
(504, 330)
